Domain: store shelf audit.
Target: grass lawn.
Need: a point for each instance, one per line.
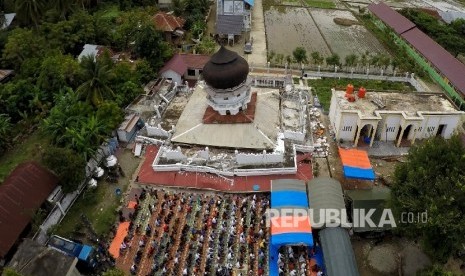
(322, 87)
(102, 216)
(29, 149)
(320, 4)
(109, 12)
(295, 80)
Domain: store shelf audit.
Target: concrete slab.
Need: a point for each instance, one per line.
(261, 134)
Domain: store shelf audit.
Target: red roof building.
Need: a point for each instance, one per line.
(21, 195)
(170, 25)
(184, 67)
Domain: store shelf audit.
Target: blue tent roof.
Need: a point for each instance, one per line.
(295, 199)
(359, 173)
(250, 2)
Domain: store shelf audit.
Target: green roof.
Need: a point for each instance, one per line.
(337, 252)
(324, 193)
(370, 199)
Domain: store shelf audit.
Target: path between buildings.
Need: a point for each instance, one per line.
(258, 57)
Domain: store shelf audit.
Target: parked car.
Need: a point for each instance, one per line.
(248, 48)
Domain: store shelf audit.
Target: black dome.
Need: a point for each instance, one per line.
(225, 69)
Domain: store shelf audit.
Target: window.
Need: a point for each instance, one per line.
(226, 98)
(191, 72)
(200, 72)
(347, 128)
(390, 129)
(431, 129)
(420, 129)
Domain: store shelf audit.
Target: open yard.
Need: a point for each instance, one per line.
(99, 204)
(293, 28)
(27, 150)
(345, 40)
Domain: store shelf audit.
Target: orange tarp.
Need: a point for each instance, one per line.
(121, 233)
(132, 204)
(290, 224)
(355, 158)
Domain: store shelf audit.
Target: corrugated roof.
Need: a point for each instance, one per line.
(21, 194)
(176, 64)
(91, 50)
(337, 252)
(195, 61)
(8, 19)
(129, 122)
(324, 193)
(4, 74)
(446, 63)
(168, 22)
(391, 18)
(229, 24)
(449, 16)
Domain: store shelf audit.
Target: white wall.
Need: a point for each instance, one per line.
(347, 126)
(432, 122)
(391, 126)
(156, 131)
(295, 136)
(196, 77)
(259, 159)
(170, 74)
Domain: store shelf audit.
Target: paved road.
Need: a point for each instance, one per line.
(258, 56)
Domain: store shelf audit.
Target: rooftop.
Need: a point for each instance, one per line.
(21, 194)
(167, 22)
(409, 102)
(32, 258)
(261, 134)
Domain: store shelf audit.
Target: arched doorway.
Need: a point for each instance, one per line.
(404, 141)
(366, 134)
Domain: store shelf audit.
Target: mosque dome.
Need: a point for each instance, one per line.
(226, 69)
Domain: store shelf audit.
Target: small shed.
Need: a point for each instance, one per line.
(128, 128)
(365, 200)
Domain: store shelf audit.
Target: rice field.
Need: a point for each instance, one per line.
(293, 28)
(345, 40)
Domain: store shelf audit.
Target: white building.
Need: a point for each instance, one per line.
(398, 117)
(228, 84)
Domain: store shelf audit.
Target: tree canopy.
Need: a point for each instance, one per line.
(433, 181)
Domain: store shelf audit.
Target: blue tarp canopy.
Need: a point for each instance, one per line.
(359, 173)
(288, 194)
(250, 2)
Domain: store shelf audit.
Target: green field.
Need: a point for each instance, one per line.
(320, 4)
(322, 87)
(28, 149)
(102, 216)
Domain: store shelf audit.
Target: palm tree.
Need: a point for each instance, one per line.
(97, 75)
(30, 11)
(62, 6)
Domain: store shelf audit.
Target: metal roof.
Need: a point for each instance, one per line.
(324, 193)
(21, 194)
(391, 18)
(32, 258)
(445, 63)
(338, 253)
(374, 198)
(229, 24)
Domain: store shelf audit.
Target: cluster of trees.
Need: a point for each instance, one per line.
(450, 36)
(75, 103)
(432, 180)
(365, 60)
(194, 11)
